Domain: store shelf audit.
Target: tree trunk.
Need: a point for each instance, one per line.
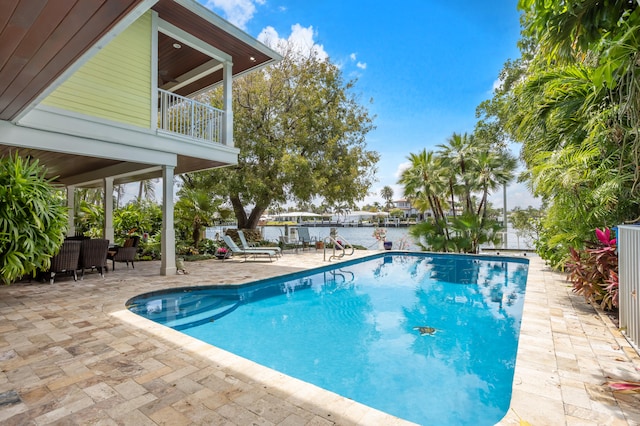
(238, 210)
(244, 221)
(195, 234)
(453, 200)
(254, 217)
(482, 209)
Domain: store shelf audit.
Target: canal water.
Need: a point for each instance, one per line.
(363, 236)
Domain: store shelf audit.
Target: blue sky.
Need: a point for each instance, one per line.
(426, 64)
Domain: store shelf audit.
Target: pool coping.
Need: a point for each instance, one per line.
(67, 350)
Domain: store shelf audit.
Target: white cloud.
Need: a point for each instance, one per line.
(401, 168)
(518, 195)
(269, 36)
(359, 64)
(301, 39)
(238, 12)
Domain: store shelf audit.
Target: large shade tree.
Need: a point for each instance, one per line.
(301, 133)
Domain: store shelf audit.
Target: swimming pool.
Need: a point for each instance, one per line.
(428, 338)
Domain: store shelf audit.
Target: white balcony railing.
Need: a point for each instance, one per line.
(186, 117)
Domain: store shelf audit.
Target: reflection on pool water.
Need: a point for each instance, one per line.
(428, 338)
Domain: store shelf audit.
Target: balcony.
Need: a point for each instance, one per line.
(186, 117)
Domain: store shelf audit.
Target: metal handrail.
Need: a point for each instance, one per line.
(342, 244)
(188, 117)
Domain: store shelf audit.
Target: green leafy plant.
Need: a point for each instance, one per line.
(594, 271)
(33, 218)
(151, 248)
(208, 246)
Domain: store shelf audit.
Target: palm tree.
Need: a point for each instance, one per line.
(342, 209)
(423, 182)
(493, 169)
(146, 188)
(387, 194)
(119, 190)
(194, 211)
(459, 154)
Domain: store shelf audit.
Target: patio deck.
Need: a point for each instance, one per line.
(70, 353)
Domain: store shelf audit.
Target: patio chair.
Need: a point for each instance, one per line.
(66, 260)
(93, 254)
(126, 253)
(247, 246)
(247, 252)
(304, 237)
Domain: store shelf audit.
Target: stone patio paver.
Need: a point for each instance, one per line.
(71, 353)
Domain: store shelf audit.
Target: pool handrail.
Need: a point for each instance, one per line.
(337, 242)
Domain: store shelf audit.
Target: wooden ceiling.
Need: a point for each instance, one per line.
(63, 169)
(172, 63)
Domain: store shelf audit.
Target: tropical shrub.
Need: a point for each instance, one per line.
(594, 271)
(33, 218)
(208, 246)
(150, 249)
(89, 219)
(136, 217)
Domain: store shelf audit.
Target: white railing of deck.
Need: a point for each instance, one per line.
(187, 117)
(629, 281)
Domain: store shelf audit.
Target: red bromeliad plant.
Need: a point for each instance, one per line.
(594, 271)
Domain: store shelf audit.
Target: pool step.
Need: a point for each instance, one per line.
(187, 310)
(204, 315)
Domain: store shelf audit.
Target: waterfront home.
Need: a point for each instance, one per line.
(102, 93)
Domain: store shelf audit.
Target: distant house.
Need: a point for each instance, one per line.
(409, 211)
(102, 93)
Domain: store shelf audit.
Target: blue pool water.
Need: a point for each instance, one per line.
(428, 338)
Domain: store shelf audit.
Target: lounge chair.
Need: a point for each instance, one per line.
(247, 252)
(247, 246)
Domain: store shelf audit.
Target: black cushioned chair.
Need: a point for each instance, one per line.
(66, 260)
(93, 254)
(126, 253)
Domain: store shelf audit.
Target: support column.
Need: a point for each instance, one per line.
(108, 232)
(168, 245)
(71, 211)
(504, 214)
(227, 124)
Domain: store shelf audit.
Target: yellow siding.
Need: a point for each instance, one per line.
(115, 84)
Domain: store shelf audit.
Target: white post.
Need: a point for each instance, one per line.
(227, 123)
(71, 211)
(504, 213)
(168, 245)
(108, 232)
